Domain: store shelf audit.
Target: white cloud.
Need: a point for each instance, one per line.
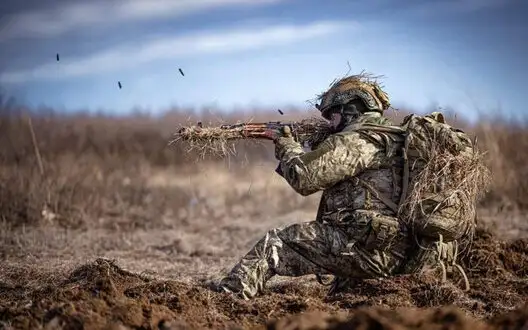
(89, 14)
(434, 8)
(173, 47)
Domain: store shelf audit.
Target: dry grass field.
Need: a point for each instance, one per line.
(114, 229)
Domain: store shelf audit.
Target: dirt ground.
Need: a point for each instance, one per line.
(107, 240)
(125, 270)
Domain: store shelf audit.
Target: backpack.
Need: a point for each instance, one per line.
(443, 176)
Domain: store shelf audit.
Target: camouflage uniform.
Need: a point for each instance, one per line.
(356, 233)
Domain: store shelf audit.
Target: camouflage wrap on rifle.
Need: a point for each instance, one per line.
(307, 131)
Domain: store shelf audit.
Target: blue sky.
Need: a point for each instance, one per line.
(467, 54)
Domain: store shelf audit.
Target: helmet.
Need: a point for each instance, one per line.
(351, 88)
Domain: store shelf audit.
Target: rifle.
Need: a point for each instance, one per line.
(308, 131)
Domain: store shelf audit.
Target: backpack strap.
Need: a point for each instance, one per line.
(405, 179)
(383, 198)
(382, 138)
(449, 253)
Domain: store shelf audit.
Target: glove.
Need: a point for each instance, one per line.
(284, 142)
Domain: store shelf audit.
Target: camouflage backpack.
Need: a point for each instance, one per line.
(443, 176)
(442, 180)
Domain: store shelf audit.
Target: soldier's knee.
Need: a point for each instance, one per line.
(299, 231)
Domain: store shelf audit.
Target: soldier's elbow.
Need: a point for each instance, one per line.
(300, 182)
(304, 191)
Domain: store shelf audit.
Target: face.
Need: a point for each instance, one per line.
(335, 119)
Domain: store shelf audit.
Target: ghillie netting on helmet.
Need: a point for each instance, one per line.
(447, 176)
(364, 86)
(219, 140)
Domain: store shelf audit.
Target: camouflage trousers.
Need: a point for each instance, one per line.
(310, 248)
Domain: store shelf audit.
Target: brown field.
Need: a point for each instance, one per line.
(116, 230)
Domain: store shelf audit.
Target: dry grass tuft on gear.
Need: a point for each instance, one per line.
(363, 76)
(219, 140)
(207, 140)
(450, 172)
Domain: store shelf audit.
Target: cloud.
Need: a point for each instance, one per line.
(435, 8)
(71, 16)
(123, 57)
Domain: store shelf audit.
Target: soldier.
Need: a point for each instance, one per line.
(356, 234)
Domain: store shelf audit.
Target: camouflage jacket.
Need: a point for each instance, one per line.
(344, 166)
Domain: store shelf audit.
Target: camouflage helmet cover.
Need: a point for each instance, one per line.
(354, 87)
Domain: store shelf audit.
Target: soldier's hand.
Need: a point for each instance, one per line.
(284, 142)
(283, 132)
(286, 132)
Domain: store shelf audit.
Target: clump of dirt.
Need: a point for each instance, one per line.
(102, 295)
(492, 257)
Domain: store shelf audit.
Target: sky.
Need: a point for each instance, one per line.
(469, 55)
